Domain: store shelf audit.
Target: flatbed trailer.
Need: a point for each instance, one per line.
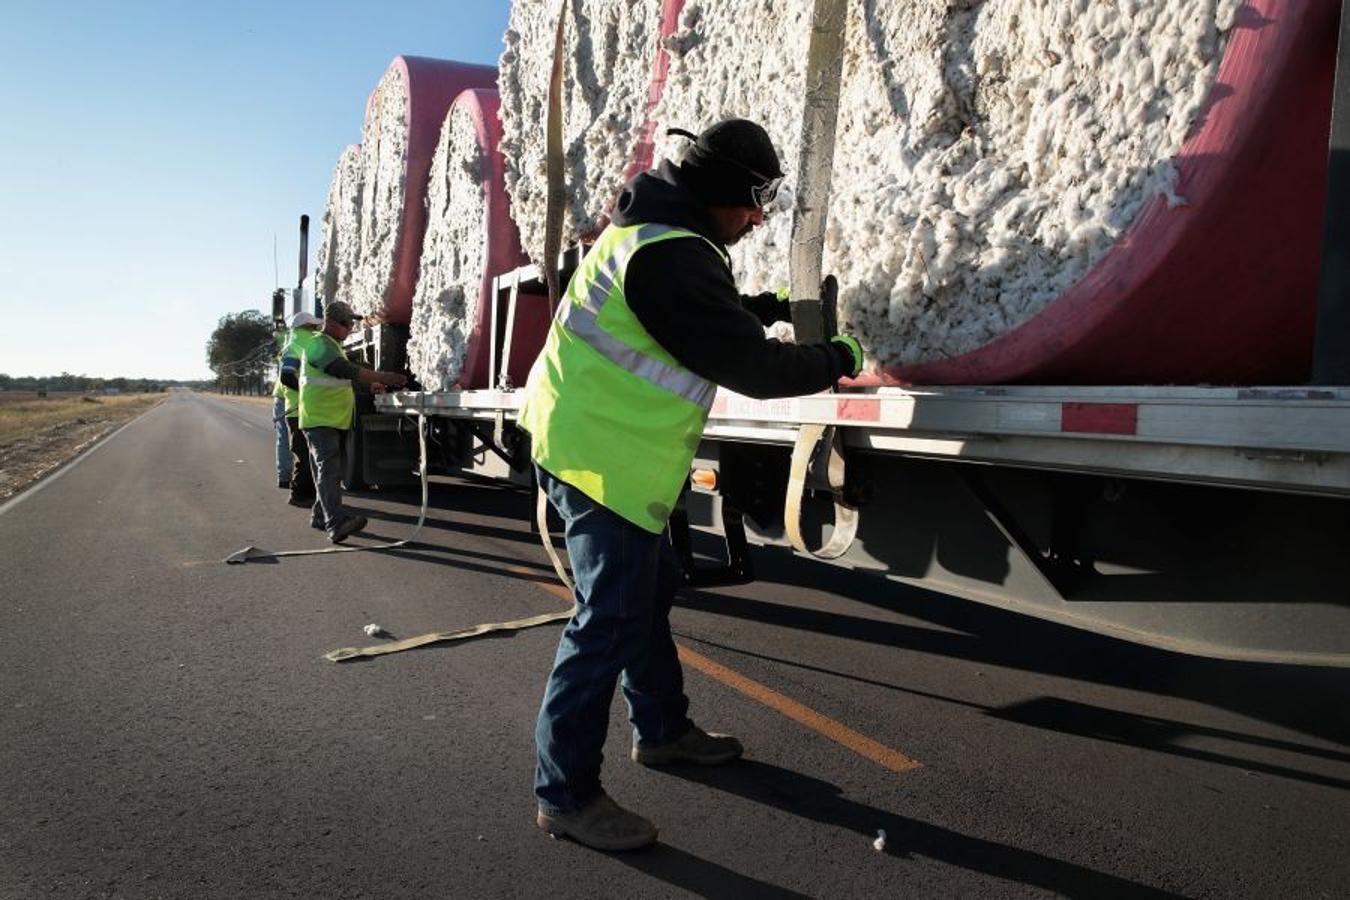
(1206, 520)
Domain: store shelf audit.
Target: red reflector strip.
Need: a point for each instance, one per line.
(858, 410)
(1100, 418)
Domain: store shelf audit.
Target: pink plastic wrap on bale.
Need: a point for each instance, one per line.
(531, 329)
(433, 84)
(502, 241)
(1222, 290)
(646, 146)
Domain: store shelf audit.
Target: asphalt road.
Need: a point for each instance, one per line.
(169, 728)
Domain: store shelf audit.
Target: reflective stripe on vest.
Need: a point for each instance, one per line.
(324, 381)
(283, 340)
(610, 411)
(580, 318)
(294, 348)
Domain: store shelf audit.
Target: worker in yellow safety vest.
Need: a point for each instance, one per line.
(303, 325)
(651, 323)
(281, 335)
(327, 406)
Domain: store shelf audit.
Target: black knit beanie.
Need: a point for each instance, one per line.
(728, 160)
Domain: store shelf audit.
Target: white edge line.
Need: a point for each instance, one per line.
(71, 463)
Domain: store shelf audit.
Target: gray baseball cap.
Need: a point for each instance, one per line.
(339, 312)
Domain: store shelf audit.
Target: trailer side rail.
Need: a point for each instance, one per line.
(1273, 438)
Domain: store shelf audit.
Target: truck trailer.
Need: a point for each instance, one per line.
(1173, 496)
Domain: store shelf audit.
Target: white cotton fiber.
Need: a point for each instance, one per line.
(340, 245)
(988, 153)
(384, 156)
(445, 307)
(610, 48)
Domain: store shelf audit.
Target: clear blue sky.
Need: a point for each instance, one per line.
(150, 151)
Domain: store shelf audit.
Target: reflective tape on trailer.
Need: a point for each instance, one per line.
(1305, 419)
(1099, 418)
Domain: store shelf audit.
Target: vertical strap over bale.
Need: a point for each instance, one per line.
(553, 157)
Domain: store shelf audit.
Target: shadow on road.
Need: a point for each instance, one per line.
(701, 877)
(817, 800)
(1100, 723)
(449, 502)
(1308, 699)
(1165, 736)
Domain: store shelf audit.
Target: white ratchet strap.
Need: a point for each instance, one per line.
(251, 552)
(556, 197)
(436, 637)
(810, 439)
(541, 520)
(347, 653)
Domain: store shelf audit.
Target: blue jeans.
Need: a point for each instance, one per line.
(283, 439)
(626, 578)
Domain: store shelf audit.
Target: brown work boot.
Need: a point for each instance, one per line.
(603, 825)
(696, 746)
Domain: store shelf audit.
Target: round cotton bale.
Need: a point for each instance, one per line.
(470, 238)
(340, 243)
(1045, 191)
(610, 50)
(403, 122)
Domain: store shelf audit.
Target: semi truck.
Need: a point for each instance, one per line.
(1202, 516)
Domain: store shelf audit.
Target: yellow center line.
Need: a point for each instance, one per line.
(822, 724)
(837, 731)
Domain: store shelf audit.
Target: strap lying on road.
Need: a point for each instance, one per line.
(541, 516)
(349, 653)
(251, 553)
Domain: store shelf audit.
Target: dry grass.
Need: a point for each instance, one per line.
(38, 434)
(23, 414)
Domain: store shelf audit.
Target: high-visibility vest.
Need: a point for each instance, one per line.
(294, 348)
(608, 409)
(282, 338)
(325, 401)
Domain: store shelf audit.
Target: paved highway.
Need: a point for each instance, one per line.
(170, 728)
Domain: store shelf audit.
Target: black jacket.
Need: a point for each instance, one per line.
(683, 294)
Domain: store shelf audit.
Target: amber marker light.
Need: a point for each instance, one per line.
(704, 478)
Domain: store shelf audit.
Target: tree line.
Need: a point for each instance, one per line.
(68, 383)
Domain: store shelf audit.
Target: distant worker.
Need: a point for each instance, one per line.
(327, 404)
(303, 325)
(650, 324)
(283, 453)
